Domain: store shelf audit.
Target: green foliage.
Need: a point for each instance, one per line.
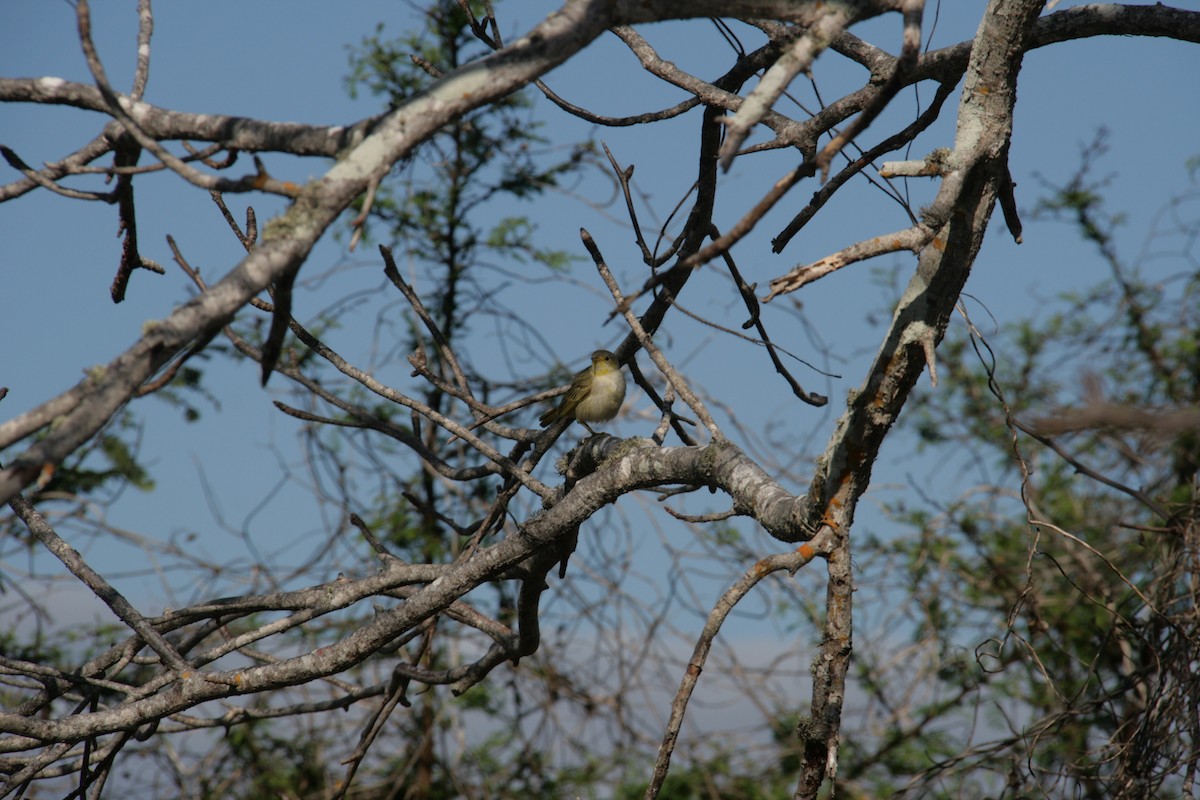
(493, 155)
(720, 777)
(263, 763)
(36, 649)
(107, 463)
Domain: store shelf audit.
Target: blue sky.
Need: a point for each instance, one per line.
(287, 61)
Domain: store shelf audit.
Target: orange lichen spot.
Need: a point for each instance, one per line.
(806, 551)
(939, 244)
(44, 475)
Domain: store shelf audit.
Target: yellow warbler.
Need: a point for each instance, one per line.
(595, 395)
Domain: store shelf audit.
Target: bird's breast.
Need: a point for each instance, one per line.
(604, 400)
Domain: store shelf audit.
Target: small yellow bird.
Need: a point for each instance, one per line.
(596, 393)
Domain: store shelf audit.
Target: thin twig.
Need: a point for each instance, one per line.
(910, 50)
(259, 182)
(792, 561)
(74, 562)
(647, 343)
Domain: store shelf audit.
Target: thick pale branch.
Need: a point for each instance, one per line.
(967, 197)
(720, 465)
(242, 133)
(972, 181)
(289, 239)
(1079, 22)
